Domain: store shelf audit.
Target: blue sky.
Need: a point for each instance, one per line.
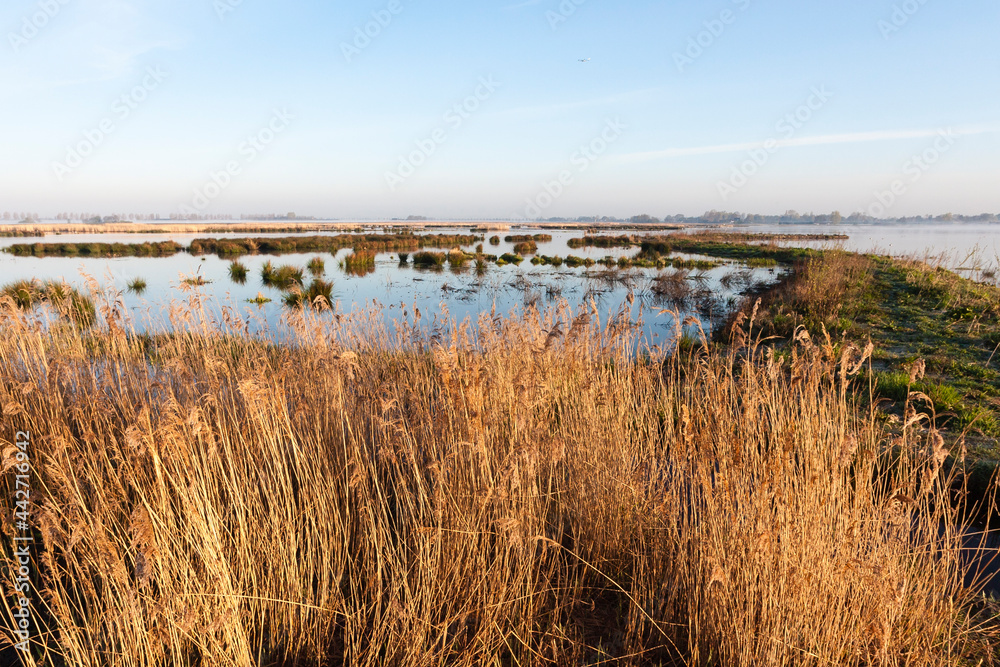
(257, 106)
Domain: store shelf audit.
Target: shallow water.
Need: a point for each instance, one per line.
(463, 294)
(962, 246)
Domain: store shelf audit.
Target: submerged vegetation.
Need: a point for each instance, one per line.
(526, 248)
(532, 492)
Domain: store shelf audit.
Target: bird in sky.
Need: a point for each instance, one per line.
(585, 60)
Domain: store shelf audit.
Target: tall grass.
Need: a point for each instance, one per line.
(534, 491)
(61, 297)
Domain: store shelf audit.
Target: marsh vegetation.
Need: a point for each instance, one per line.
(534, 490)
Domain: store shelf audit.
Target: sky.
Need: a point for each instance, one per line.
(389, 108)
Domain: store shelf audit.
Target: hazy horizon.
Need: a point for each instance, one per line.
(223, 107)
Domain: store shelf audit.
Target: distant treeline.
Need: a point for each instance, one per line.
(247, 246)
(788, 217)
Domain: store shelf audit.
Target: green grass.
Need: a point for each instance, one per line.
(238, 272)
(358, 263)
(909, 311)
(259, 300)
(316, 266)
(196, 281)
(158, 249)
(458, 259)
(429, 260)
(298, 298)
(137, 286)
(284, 277)
(368, 243)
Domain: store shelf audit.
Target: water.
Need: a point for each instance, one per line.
(462, 295)
(962, 246)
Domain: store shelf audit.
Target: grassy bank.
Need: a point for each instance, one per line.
(912, 312)
(532, 494)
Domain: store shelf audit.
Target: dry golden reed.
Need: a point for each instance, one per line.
(536, 490)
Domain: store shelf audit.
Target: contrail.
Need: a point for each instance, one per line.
(820, 140)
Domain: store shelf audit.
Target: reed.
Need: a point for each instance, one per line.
(64, 300)
(540, 490)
